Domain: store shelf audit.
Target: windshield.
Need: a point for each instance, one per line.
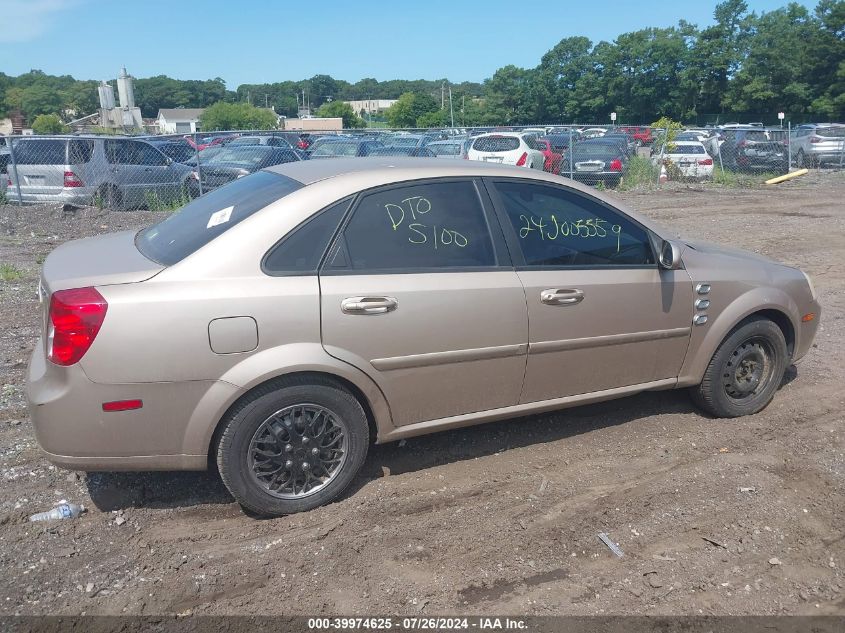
(202, 220)
(250, 155)
(446, 149)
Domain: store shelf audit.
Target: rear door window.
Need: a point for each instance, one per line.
(432, 226)
(202, 220)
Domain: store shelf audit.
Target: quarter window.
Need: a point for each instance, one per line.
(427, 226)
(555, 227)
(300, 252)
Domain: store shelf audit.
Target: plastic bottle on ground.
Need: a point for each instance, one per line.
(61, 511)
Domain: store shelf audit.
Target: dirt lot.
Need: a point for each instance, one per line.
(716, 517)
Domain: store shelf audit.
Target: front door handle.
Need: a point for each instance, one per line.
(368, 305)
(561, 296)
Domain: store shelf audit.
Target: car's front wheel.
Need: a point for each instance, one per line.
(292, 446)
(745, 371)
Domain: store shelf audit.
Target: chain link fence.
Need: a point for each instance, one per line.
(165, 172)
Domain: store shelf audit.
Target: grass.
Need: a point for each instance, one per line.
(10, 272)
(640, 173)
(738, 179)
(39, 259)
(156, 203)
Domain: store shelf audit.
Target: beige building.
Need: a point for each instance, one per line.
(314, 124)
(371, 106)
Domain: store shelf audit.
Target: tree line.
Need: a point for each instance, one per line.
(746, 66)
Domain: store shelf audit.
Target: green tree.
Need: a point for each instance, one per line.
(432, 119)
(408, 108)
(236, 116)
(49, 124)
(339, 109)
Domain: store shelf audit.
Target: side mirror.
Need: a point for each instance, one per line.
(670, 255)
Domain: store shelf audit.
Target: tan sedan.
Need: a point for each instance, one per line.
(280, 324)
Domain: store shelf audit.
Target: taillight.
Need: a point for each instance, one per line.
(816, 139)
(522, 159)
(706, 161)
(742, 144)
(76, 316)
(616, 165)
(72, 180)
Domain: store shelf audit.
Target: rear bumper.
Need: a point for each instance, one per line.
(81, 196)
(170, 432)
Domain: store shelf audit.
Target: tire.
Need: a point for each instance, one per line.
(801, 158)
(270, 431)
(745, 372)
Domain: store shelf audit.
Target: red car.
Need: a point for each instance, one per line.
(552, 160)
(207, 142)
(642, 135)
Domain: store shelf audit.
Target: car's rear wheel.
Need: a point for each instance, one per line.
(293, 446)
(745, 371)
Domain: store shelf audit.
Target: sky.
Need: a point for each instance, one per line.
(252, 41)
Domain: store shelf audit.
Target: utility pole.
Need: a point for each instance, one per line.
(443, 95)
(265, 99)
(451, 109)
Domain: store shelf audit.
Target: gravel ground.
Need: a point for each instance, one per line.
(715, 516)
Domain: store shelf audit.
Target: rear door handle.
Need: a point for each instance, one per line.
(561, 296)
(368, 305)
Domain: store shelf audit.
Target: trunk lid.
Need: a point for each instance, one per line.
(96, 261)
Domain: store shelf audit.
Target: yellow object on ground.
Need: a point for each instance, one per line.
(792, 174)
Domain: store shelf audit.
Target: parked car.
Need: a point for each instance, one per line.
(623, 140)
(280, 324)
(594, 163)
(560, 142)
(507, 148)
(237, 161)
(456, 147)
(261, 139)
(617, 142)
(407, 140)
(753, 148)
(119, 173)
(335, 147)
(640, 135)
(593, 132)
(691, 159)
(819, 144)
(178, 150)
(394, 150)
(552, 158)
(208, 141)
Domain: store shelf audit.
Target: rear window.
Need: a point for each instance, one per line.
(582, 152)
(52, 152)
(496, 144)
(756, 136)
(834, 132)
(202, 220)
(688, 149)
